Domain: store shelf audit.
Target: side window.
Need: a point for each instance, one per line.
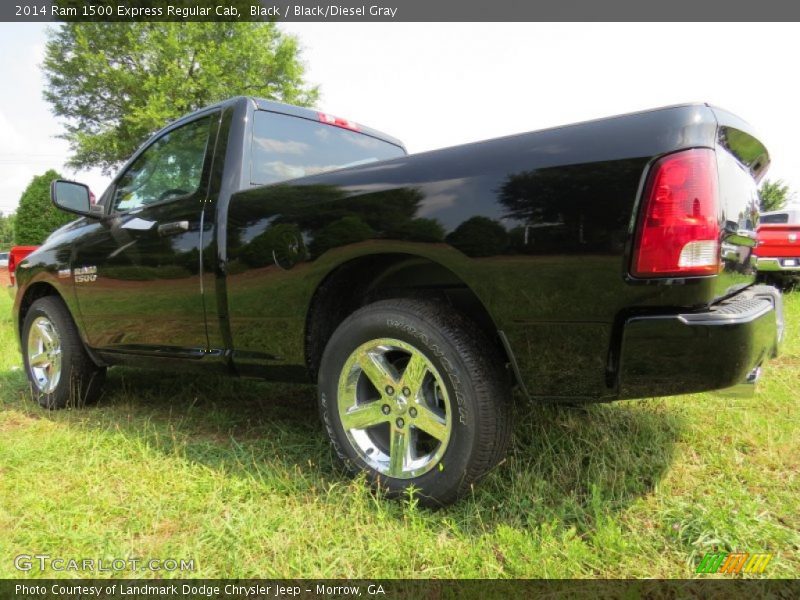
(170, 167)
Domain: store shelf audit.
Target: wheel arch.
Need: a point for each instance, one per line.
(43, 289)
(362, 280)
(35, 291)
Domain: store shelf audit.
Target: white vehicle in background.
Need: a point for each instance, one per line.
(3, 260)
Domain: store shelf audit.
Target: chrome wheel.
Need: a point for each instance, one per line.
(394, 408)
(44, 355)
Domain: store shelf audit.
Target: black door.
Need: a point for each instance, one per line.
(137, 276)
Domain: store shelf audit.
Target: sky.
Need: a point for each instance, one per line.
(439, 84)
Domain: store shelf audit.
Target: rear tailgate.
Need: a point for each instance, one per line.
(742, 161)
(778, 241)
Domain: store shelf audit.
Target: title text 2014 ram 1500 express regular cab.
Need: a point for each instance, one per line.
(581, 263)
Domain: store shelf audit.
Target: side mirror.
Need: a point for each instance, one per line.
(74, 197)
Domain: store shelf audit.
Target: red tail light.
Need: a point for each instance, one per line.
(15, 256)
(337, 121)
(679, 233)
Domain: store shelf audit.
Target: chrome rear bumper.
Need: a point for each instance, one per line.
(770, 264)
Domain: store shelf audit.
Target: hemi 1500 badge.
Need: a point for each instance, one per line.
(85, 274)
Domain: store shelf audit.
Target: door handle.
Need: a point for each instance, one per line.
(173, 228)
(137, 224)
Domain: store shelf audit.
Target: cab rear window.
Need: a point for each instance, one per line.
(286, 147)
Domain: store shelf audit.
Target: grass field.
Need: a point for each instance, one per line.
(238, 476)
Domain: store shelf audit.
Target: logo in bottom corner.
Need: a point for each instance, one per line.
(734, 563)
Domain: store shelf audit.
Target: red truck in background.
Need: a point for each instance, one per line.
(9, 260)
(778, 250)
(15, 256)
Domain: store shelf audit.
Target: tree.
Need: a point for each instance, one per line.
(773, 195)
(347, 230)
(36, 216)
(118, 83)
(6, 231)
(479, 236)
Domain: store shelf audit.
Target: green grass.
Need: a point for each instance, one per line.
(237, 475)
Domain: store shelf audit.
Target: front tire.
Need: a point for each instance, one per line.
(60, 371)
(412, 394)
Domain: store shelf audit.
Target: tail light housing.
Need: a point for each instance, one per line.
(15, 256)
(679, 231)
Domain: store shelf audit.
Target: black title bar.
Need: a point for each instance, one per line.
(405, 11)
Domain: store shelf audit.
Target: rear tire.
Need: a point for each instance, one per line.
(60, 371)
(412, 394)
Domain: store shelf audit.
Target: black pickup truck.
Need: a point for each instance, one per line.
(593, 262)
